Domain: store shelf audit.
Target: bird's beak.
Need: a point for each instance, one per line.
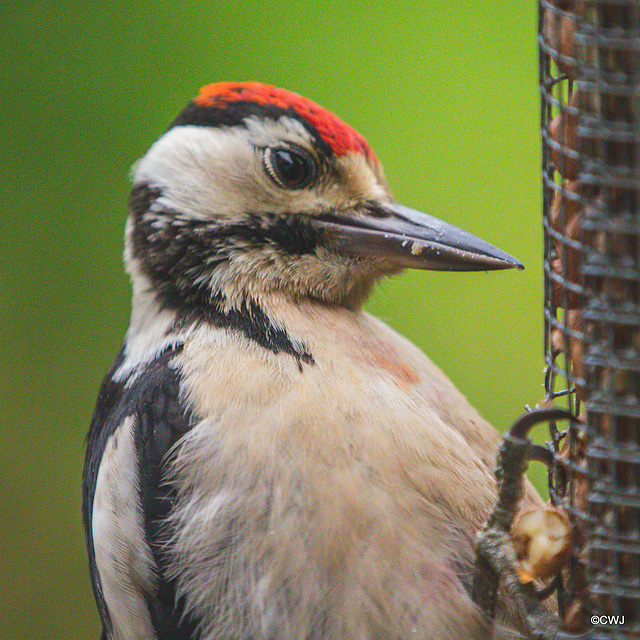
(411, 239)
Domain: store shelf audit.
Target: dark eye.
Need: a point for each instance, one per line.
(290, 168)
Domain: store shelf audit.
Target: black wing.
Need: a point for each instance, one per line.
(160, 419)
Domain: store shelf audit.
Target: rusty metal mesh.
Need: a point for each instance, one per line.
(590, 123)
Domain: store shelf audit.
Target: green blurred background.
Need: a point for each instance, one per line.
(446, 94)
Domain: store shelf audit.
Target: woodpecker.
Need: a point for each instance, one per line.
(266, 460)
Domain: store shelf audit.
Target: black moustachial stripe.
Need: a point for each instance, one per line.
(179, 254)
(168, 241)
(160, 420)
(254, 323)
(235, 113)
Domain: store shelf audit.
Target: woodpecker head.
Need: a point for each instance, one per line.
(255, 190)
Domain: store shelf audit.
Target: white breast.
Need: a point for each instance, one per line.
(331, 501)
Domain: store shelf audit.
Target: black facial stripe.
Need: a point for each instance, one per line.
(249, 319)
(234, 113)
(292, 234)
(141, 199)
(256, 325)
(179, 254)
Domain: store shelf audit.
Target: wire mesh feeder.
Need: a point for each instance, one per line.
(590, 85)
(590, 124)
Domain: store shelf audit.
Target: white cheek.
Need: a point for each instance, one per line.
(207, 172)
(200, 171)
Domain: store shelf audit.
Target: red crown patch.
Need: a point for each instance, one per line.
(337, 134)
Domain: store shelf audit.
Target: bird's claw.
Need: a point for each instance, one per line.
(495, 554)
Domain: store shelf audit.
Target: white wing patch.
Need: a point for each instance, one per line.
(123, 559)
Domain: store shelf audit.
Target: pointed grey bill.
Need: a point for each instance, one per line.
(411, 239)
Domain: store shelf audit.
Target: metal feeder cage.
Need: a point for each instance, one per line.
(590, 124)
